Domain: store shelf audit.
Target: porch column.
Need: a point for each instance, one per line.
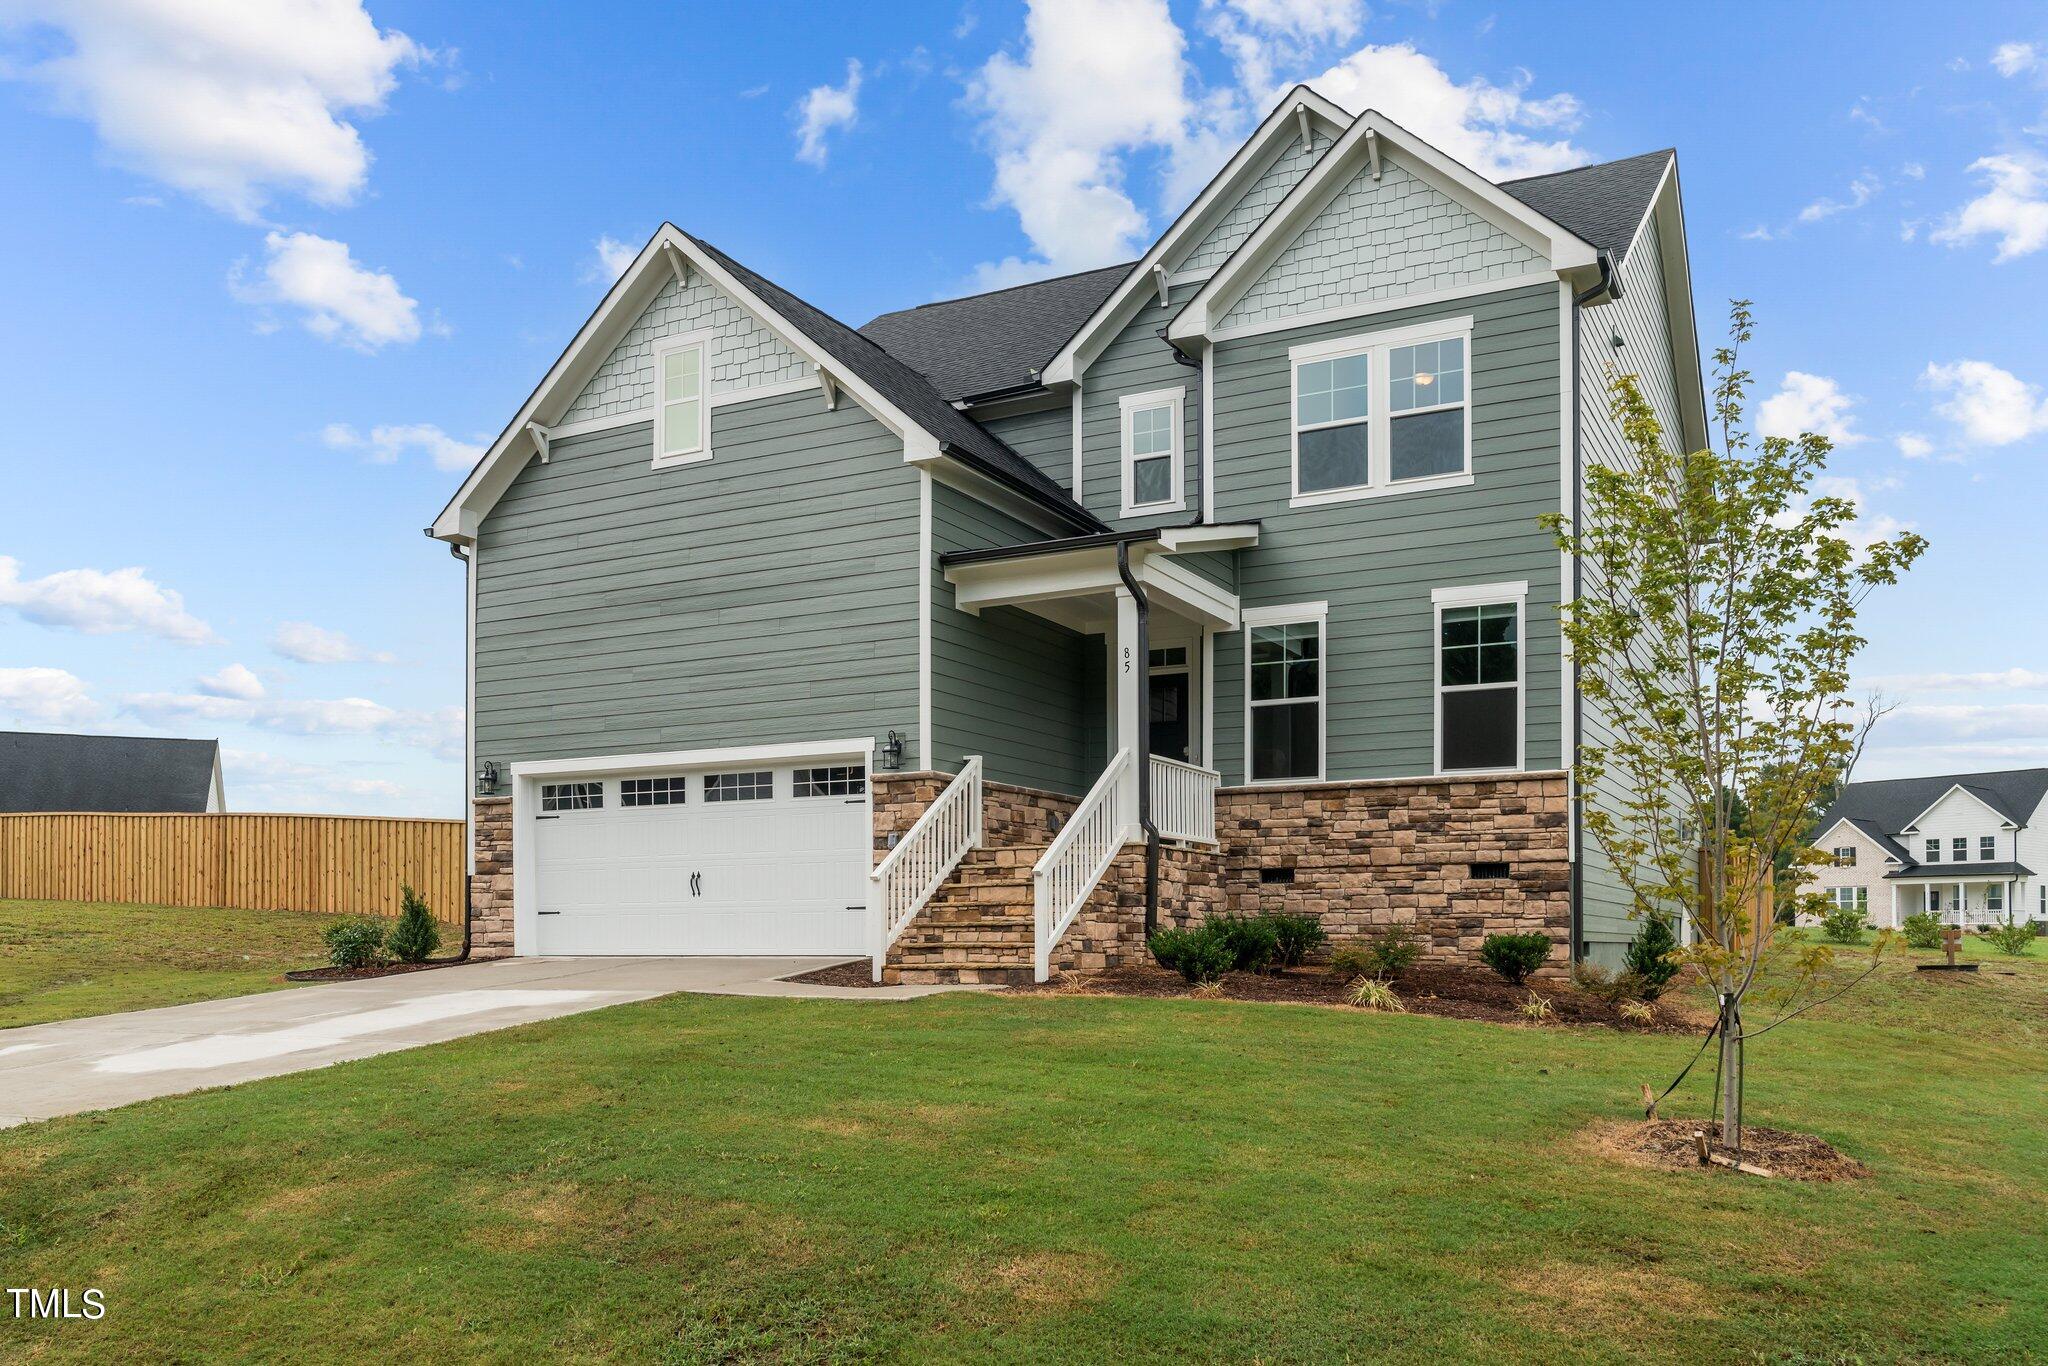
(1130, 676)
(1895, 905)
(1962, 905)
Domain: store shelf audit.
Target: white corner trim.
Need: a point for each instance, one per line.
(924, 618)
(1127, 404)
(1208, 456)
(1567, 505)
(1077, 441)
(1479, 594)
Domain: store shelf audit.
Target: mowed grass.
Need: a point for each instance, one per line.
(63, 959)
(1058, 1179)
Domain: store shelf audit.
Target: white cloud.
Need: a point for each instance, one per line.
(385, 444)
(824, 108)
(236, 680)
(100, 602)
(1913, 170)
(2016, 59)
(2014, 209)
(1809, 403)
(610, 258)
(1759, 233)
(2002, 680)
(259, 780)
(1913, 446)
(227, 102)
(437, 729)
(340, 299)
(1867, 528)
(1263, 35)
(1994, 407)
(310, 644)
(1861, 190)
(42, 696)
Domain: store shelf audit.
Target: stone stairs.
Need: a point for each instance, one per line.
(977, 928)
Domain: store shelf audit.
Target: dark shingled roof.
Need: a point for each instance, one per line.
(1964, 870)
(45, 772)
(988, 342)
(909, 391)
(1604, 204)
(1883, 808)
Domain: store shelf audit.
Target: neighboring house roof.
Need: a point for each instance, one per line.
(1869, 830)
(1884, 808)
(1604, 204)
(987, 343)
(40, 771)
(1941, 872)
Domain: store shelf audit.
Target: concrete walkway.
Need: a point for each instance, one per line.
(70, 1066)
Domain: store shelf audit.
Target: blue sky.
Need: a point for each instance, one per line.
(274, 271)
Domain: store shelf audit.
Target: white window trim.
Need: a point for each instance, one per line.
(1375, 346)
(1176, 399)
(662, 348)
(1480, 595)
(1291, 614)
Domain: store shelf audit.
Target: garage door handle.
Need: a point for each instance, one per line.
(550, 912)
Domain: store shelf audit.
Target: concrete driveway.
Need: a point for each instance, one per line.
(107, 1060)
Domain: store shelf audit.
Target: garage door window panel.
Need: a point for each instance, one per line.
(752, 786)
(839, 780)
(571, 796)
(667, 791)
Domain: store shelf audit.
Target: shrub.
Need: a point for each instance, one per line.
(1200, 955)
(2011, 938)
(1611, 987)
(1843, 925)
(1371, 993)
(1385, 956)
(1537, 1008)
(1649, 956)
(1923, 931)
(1515, 956)
(1253, 941)
(1298, 936)
(356, 943)
(415, 935)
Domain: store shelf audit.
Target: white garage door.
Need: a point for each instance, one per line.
(745, 859)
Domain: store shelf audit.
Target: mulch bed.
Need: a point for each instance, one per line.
(1424, 990)
(360, 974)
(859, 972)
(1668, 1145)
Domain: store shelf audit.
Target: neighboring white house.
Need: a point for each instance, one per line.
(1968, 847)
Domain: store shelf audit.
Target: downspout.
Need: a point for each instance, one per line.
(469, 822)
(1144, 729)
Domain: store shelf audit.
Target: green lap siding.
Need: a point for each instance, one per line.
(1044, 437)
(1376, 561)
(1138, 361)
(1007, 685)
(768, 594)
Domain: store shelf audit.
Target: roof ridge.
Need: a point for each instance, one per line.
(1959, 779)
(1006, 289)
(1589, 166)
(110, 735)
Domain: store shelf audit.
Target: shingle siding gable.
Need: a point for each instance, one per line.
(744, 354)
(1245, 216)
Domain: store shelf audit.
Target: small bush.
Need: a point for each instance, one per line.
(357, 943)
(1199, 955)
(1537, 1008)
(1843, 925)
(1611, 987)
(1515, 956)
(1385, 956)
(2011, 938)
(1298, 936)
(1370, 993)
(1649, 956)
(1923, 931)
(1254, 942)
(415, 935)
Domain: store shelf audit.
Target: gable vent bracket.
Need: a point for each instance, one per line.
(677, 262)
(829, 387)
(540, 437)
(1159, 277)
(1308, 130)
(1372, 150)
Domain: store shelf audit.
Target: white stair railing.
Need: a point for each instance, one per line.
(1184, 800)
(923, 859)
(1077, 858)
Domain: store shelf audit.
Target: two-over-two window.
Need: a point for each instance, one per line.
(1284, 691)
(1152, 429)
(1479, 677)
(1388, 412)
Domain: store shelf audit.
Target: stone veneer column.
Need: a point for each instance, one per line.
(490, 891)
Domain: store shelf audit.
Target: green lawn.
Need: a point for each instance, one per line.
(1058, 1178)
(63, 959)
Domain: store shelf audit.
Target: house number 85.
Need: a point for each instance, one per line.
(1127, 659)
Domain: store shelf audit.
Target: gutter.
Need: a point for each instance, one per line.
(1144, 730)
(468, 807)
(1119, 539)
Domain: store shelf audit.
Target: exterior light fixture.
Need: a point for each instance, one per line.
(890, 756)
(487, 778)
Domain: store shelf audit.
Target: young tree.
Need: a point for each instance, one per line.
(1714, 631)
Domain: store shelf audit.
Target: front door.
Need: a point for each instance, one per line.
(1169, 711)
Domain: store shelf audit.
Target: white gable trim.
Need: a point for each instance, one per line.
(1568, 254)
(661, 260)
(1914, 824)
(1302, 106)
(1667, 211)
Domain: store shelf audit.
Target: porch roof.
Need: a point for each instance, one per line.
(1959, 872)
(1074, 581)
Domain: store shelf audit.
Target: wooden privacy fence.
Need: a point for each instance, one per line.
(239, 861)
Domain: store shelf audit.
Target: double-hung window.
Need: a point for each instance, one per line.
(1152, 431)
(1987, 847)
(1845, 856)
(1959, 849)
(1994, 897)
(682, 400)
(1852, 898)
(1933, 852)
(1479, 677)
(1385, 412)
(1285, 691)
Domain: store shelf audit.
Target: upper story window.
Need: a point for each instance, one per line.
(1845, 856)
(1933, 852)
(1386, 412)
(1152, 452)
(1284, 692)
(682, 408)
(1959, 849)
(1479, 677)
(1987, 847)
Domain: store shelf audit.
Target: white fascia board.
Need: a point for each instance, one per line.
(1277, 132)
(1667, 208)
(1567, 253)
(650, 272)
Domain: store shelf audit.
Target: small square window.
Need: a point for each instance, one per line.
(739, 787)
(571, 796)
(651, 791)
(841, 780)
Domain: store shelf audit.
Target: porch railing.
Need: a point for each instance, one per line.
(1078, 857)
(1184, 800)
(923, 859)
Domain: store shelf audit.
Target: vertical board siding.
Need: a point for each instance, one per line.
(1007, 685)
(1138, 361)
(1639, 318)
(766, 594)
(1376, 561)
(235, 861)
